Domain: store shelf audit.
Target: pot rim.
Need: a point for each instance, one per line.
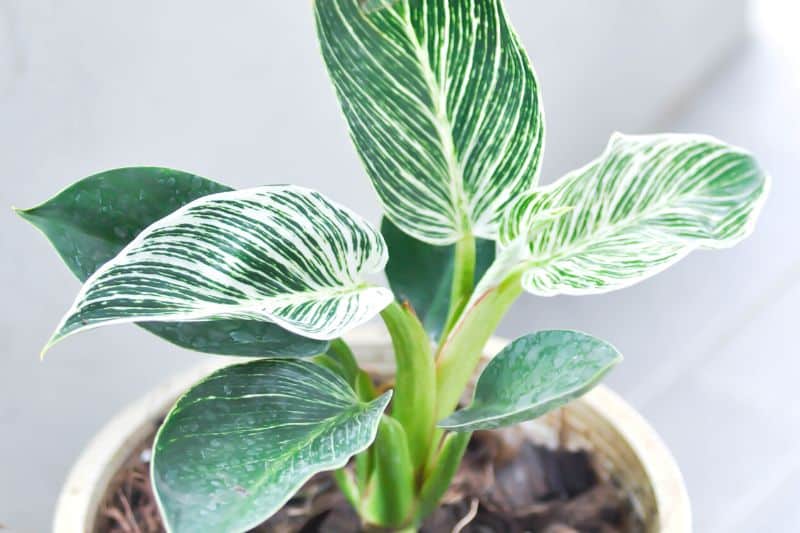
(84, 488)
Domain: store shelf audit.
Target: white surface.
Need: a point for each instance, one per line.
(240, 95)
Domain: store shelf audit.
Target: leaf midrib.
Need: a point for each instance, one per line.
(65, 221)
(576, 247)
(358, 408)
(443, 125)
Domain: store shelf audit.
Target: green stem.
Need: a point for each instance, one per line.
(392, 497)
(440, 476)
(344, 479)
(433, 452)
(463, 280)
(364, 467)
(414, 399)
(460, 353)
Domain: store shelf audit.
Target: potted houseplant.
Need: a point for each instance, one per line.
(446, 114)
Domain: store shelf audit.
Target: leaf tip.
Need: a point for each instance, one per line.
(22, 213)
(382, 402)
(46, 348)
(29, 215)
(54, 339)
(386, 397)
(63, 330)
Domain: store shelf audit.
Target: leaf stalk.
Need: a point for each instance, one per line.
(460, 353)
(463, 279)
(392, 498)
(415, 381)
(440, 476)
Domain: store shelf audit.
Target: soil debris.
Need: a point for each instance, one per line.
(504, 485)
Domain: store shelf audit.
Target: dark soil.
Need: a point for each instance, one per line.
(505, 484)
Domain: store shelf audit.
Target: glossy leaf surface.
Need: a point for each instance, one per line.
(647, 202)
(280, 253)
(443, 107)
(422, 273)
(240, 443)
(94, 219)
(533, 375)
(90, 221)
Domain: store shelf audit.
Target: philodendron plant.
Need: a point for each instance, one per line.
(446, 113)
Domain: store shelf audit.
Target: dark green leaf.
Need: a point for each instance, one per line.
(533, 375)
(245, 338)
(240, 443)
(422, 273)
(89, 222)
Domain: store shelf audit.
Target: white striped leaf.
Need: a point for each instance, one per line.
(374, 5)
(241, 442)
(92, 220)
(647, 202)
(280, 254)
(443, 108)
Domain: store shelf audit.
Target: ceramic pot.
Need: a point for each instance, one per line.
(622, 443)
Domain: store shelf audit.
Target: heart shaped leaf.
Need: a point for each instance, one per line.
(422, 274)
(533, 375)
(240, 443)
(92, 220)
(643, 205)
(443, 108)
(281, 254)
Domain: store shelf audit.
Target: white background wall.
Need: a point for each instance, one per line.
(237, 92)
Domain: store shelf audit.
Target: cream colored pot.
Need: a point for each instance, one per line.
(622, 442)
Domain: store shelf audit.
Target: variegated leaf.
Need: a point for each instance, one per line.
(93, 219)
(281, 254)
(244, 440)
(374, 5)
(443, 108)
(643, 205)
